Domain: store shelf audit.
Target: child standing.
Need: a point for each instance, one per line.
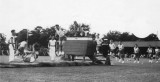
(157, 52)
(121, 51)
(136, 52)
(150, 54)
(112, 49)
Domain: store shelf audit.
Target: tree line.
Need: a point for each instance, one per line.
(126, 36)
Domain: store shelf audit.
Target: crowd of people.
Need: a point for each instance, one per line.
(103, 46)
(118, 51)
(31, 54)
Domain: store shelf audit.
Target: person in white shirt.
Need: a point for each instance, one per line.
(11, 49)
(113, 49)
(14, 35)
(51, 46)
(22, 46)
(136, 52)
(121, 52)
(99, 41)
(150, 54)
(157, 53)
(61, 33)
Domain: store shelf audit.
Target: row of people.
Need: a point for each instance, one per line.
(118, 52)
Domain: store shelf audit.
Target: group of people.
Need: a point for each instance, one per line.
(151, 53)
(103, 46)
(108, 48)
(30, 54)
(22, 49)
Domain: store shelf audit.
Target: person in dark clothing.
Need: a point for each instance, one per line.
(91, 50)
(105, 49)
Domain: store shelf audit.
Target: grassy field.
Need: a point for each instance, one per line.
(127, 72)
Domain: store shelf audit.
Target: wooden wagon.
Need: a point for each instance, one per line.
(78, 46)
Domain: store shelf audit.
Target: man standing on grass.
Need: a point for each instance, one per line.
(150, 54)
(137, 54)
(112, 49)
(104, 49)
(121, 52)
(98, 39)
(14, 35)
(157, 53)
(61, 34)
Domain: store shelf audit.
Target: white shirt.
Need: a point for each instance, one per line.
(52, 42)
(86, 32)
(14, 38)
(149, 50)
(98, 40)
(60, 32)
(23, 44)
(157, 50)
(120, 46)
(136, 50)
(112, 46)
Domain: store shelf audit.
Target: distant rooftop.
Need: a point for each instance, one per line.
(140, 43)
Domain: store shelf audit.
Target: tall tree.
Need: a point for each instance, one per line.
(22, 35)
(113, 35)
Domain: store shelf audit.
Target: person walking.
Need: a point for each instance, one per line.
(157, 53)
(136, 52)
(98, 40)
(121, 52)
(61, 34)
(113, 49)
(14, 36)
(51, 46)
(150, 54)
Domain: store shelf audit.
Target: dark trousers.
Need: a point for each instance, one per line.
(108, 61)
(137, 56)
(94, 59)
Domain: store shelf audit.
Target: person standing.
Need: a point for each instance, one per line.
(14, 35)
(11, 49)
(112, 49)
(104, 49)
(51, 46)
(136, 52)
(92, 50)
(121, 52)
(157, 52)
(61, 34)
(150, 54)
(98, 40)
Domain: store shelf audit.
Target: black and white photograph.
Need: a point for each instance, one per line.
(79, 40)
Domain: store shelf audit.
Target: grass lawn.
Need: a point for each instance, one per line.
(127, 72)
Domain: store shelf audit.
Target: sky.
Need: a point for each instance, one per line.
(140, 17)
